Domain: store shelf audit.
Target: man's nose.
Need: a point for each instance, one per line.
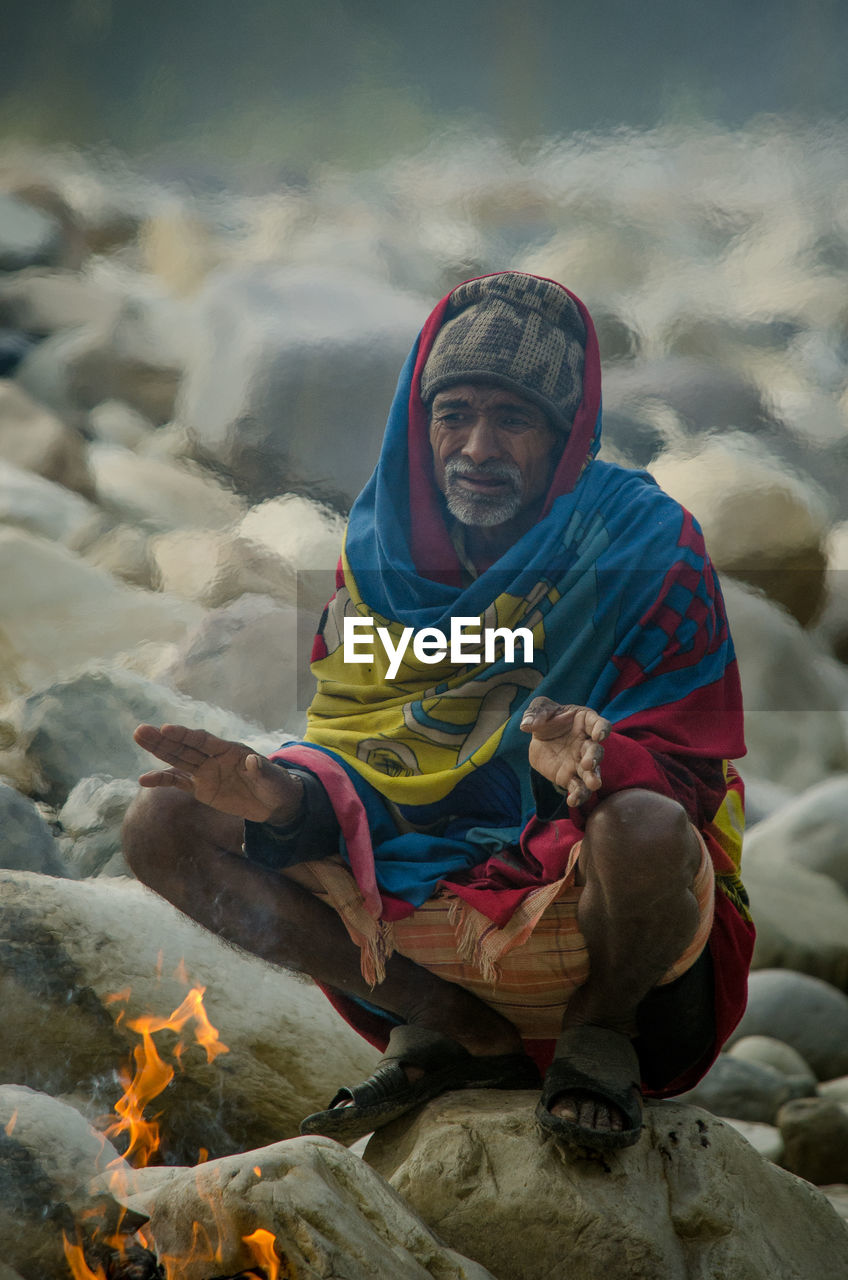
(482, 441)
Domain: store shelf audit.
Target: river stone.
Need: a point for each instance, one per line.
(764, 1138)
(28, 236)
(82, 959)
(692, 1198)
(114, 422)
(836, 1089)
(84, 726)
(26, 842)
(815, 1139)
(59, 612)
(804, 1012)
(91, 818)
(40, 506)
(213, 567)
(41, 301)
(34, 438)
(49, 1157)
(761, 523)
(160, 494)
(801, 919)
(251, 658)
(768, 1052)
(327, 1212)
(793, 693)
(810, 831)
(744, 1090)
(294, 374)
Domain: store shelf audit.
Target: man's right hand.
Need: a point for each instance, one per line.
(227, 776)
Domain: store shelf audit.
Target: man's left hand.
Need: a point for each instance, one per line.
(565, 746)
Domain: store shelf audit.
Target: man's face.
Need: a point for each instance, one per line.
(494, 452)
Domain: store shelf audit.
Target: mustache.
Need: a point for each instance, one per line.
(494, 470)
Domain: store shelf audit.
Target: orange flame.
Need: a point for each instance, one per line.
(9, 1128)
(151, 1075)
(79, 1268)
(261, 1244)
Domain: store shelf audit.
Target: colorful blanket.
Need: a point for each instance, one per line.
(429, 770)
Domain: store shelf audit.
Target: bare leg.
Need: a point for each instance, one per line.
(191, 855)
(637, 913)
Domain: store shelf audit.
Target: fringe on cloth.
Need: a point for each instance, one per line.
(481, 944)
(375, 938)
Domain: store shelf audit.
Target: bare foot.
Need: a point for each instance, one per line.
(227, 776)
(588, 1112)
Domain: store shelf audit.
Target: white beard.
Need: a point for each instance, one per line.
(480, 509)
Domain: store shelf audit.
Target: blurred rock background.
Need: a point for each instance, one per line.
(220, 230)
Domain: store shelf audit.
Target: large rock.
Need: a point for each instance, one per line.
(801, 919)
(805, 1012)
(49, 1158)
(34, 438)
(815, 1139)
(28, 236)
(761, 523)
(320, 1210)
(59, 612)
(91, 819)
(794, 694)
(294, 376)
(693, 1198)
(161, 495)
(768, 1052)
(811, 831)
(84, 726)
(80, 960)
(214, 567)
(250, 657)
(745, 1090)
(41, 506)
(26, 841)
(42, 301)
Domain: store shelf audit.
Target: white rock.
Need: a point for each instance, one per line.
(325, 1212)
(29, 501)
(34, 438)
(761, 523)
(26, 841)
(692, 1198)
(28, 236)
(811, 831)
(294, 376)
(764, 1138)
(91, 818)
(41, 301)
(71, 945)
(303, 532)
(117, 423)
(59, 612)
(793, 694)
(84, 725)
(801, 918)
(776, 1054)
(804, 1012)
(163, 495)
(49, 1159)
(253, 658)
(214, 567)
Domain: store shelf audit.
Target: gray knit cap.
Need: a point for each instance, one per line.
(516, 330)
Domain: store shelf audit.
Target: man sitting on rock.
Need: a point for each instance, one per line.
(493, 860)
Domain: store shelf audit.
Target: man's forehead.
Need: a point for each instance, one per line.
(464, 393)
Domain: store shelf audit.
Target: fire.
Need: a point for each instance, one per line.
(152, 1075)
(261, 1244)
(77, 1265)
(9, 1127)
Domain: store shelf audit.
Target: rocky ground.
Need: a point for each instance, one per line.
(191, 392)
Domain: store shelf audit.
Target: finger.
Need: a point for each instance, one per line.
(554, 724)
(597, 728)
(577, 794)
(172, 744)
(166, 778)
(538, 710)
(589, 765)
(205, 744)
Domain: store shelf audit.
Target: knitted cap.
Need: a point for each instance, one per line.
(519, 331)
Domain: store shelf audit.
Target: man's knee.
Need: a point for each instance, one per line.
(164, 823)
(640, 829)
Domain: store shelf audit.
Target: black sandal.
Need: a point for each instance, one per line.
(387, 1093)
(602, 1064)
